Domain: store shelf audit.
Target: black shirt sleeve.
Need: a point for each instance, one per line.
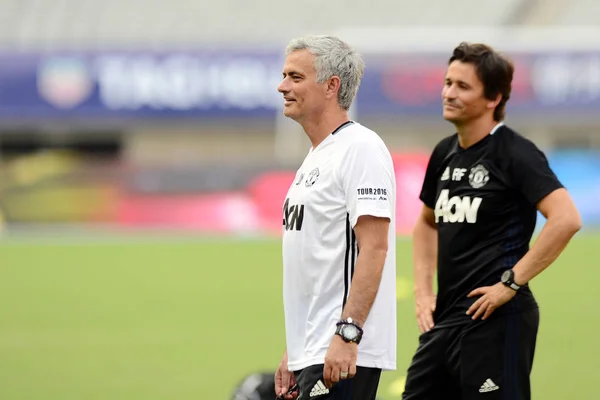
(531, 172)
(432, 174)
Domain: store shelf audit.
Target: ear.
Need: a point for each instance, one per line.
(491, 104)
(333, 87)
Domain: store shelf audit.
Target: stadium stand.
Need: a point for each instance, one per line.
(89, 23)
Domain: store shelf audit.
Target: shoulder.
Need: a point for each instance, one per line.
(359, 138)
(357, 132)
(445, 144)
(509, 137)
(513, 144)
(443, 148)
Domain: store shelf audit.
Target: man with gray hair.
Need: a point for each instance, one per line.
(339, 274)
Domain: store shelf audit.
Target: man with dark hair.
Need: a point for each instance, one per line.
(481, 193)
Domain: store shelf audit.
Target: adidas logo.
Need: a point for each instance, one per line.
(319, 389)
(446, 174)
(488, 386)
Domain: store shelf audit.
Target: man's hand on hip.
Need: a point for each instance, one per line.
(491, 298)
(340, 361)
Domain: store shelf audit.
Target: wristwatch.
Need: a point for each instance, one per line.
(508, 279)
(349, 331)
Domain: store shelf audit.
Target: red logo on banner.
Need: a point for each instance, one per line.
(64, 83)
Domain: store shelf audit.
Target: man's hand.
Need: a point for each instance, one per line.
(424, 308)
(340, 359)
(284, 380)
(491, 298)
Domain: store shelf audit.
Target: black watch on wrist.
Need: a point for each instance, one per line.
(508, 279)
(349, 331)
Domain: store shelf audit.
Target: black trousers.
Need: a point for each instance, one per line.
(488, 360)
(362, 387)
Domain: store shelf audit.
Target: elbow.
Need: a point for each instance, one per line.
(381, 250)
(571, 223)
(568, 224)
(575, 224)
(565, 218)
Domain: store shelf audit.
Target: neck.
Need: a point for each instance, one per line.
(474, 131)
(317, 129)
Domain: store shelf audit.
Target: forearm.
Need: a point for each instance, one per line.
(424, 257)
(552, 240)
(365, 284)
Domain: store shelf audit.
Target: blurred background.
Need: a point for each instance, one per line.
(144, 160)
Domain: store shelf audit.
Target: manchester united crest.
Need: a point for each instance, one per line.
(478, 176)
(312, 177)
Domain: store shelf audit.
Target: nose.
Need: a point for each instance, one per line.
(283, 86)
(449, 92)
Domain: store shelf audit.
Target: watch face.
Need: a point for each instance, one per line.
(350, 332)
(505, 276)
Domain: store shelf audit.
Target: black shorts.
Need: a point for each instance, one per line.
(362, 387)
(488, 360)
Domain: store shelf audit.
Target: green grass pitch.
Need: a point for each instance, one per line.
(187, 319)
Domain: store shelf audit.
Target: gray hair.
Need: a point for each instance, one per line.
(333, 57)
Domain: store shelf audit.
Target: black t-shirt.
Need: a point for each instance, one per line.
(484, 199)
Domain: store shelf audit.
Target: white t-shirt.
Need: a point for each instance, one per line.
(347, 175)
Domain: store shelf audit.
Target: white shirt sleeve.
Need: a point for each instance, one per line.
(368, 180)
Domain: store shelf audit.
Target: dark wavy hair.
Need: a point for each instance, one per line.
(494, 70)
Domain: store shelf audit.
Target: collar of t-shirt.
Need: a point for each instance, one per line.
(336, 130)
(495, 128)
